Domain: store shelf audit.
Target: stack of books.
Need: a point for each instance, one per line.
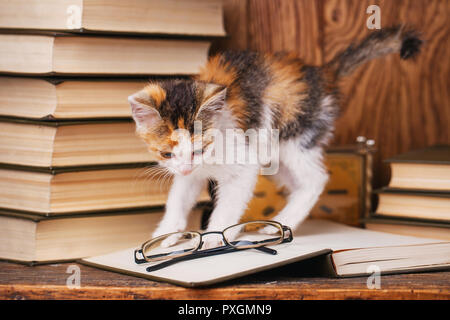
(75, 180)
(417, 200)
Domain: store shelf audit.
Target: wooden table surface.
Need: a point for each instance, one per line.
(296, 281)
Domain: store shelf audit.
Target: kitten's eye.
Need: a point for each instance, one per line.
(198, 152)
(167, 155)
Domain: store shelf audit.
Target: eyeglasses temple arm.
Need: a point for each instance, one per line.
(194, 255)
(267, 250)
(204, 253)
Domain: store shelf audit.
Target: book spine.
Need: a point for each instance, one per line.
(327, 267)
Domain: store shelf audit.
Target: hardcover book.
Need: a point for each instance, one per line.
(62, 99)
(35, 239)
(68, 54)
(426, 169)
(59, 191)
(70, 143)
(410, 227)
(413, 204)
(171, 17)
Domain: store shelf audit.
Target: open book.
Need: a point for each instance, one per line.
(351, 252)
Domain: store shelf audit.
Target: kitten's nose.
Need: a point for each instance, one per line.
(185, 170)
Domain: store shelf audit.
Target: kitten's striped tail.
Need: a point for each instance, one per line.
(377, 44)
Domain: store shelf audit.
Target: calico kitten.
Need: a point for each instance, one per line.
(249, 90)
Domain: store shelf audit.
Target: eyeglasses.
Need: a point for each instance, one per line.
(179, 246)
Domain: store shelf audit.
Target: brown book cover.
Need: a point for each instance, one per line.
(409, 222)
(413, 192)
(437, 154)
(32, 216)
(410, 227)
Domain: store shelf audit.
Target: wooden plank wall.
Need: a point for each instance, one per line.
(402, 105)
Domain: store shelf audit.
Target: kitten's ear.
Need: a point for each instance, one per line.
(143, 113)
(213, 98)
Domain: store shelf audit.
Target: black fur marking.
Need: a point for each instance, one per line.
(252, 78)
(316, 121)
(376, 45)
(410, 47)
(180, 103)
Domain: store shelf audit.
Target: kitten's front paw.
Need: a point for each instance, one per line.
(171, 240)
(162, 230)
(209, 243)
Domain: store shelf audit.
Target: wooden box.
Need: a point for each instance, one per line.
(346, 197)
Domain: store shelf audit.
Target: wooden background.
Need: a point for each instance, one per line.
(402, 105)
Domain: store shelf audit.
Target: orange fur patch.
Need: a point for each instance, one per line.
(238, 108)
(215, 71)
(181, 123)
(155, 92)
(218, 72)
(158, 139)
(284, 90)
